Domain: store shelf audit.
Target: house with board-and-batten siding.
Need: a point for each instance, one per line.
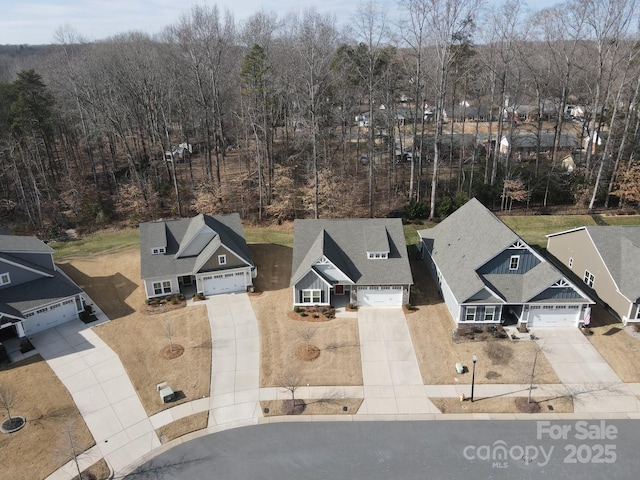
(487, 274)
(607, 260)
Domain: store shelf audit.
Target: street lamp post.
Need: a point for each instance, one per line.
(473, 375)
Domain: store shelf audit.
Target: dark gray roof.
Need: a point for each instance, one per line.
(468, 239)
(43, 291)
(178, 233)
(530, 140)
(19, 244)
(619, 247)
(344, 243)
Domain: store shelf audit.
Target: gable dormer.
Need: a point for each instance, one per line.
(196, 238)
(158, 236)
(377, 242)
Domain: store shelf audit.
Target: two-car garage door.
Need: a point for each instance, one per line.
(554, 315)
(224, 283)
(50, 316)
(380, 296)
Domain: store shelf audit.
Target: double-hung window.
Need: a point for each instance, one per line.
(162, 288)
(514, 262)
(311, 296)
(4, 279)
(489, 314)
(470, 315)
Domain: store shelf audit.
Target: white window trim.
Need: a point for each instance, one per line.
(309, 295)
(377, 255)
(161, 287)
(469, 310)
(516, 259)
(222, 259)
(570, 262)
(5, 279)
(158, 250)
(589, 278)
(493, 314)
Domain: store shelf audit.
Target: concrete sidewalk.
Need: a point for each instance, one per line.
(102, 391)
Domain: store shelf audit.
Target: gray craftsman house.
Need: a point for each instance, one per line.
(34, 294)
(203, 254)
(487, 274)
(359, 261)
(607, 260)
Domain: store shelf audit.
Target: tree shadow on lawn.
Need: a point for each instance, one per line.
(108, 292)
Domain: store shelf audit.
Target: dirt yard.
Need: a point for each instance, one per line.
(616, 344)
(42, 445)
(505, 405)
(338, 339)
(431, 326)
(112, 281)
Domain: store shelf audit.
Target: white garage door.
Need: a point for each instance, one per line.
(379, 296)
(554, 316)
(224, 283)
(51, 316)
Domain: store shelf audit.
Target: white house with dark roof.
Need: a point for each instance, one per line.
(486, 273)
(363, 261)
(607, 260)
(34, 294)
(204, 254)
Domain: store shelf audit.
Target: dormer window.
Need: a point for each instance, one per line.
(514, 262)
(158, 250)
(222, 259)
(4, 279)
(377, 255)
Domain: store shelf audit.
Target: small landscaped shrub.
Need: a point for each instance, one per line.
(409, 307)
(174, 300)
(296, 309)
(304, 314)
(168, 298)
(315, 315)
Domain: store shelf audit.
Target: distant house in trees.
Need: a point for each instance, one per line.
(526, 144)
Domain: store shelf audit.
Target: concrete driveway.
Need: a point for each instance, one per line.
(235, 370)
(587, 376)
(390, 372)
(99, 385)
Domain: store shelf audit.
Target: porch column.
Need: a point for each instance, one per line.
(20, 330)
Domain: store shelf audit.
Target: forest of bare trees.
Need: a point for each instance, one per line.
(280, 118)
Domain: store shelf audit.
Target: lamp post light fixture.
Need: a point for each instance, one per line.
(473, 375)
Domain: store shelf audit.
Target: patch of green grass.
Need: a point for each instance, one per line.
(533, 228)
(411, 231)
(275, 235)
(98, 242)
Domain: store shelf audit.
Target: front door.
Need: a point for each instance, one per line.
(339, 290)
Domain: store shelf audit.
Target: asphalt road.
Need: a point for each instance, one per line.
(408, 450)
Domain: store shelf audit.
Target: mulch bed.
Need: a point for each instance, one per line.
(163, 307)
(170, 353)
(313, 314)
(308, 353)
(479, 333)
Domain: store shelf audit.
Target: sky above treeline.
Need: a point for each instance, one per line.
(35, 22)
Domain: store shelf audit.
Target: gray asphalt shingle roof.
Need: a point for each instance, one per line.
(19, 244)
(344, 242)
(43, 291)
(468, 239)
(53, 287)
(619, 247)
(228, 229)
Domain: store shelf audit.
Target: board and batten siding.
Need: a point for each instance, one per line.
(500, 263)
(213, 263)
(577, 245)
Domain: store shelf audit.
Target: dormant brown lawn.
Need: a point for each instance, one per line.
(431, 329)
(338, 339)
(112, 280)
(42, 446)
